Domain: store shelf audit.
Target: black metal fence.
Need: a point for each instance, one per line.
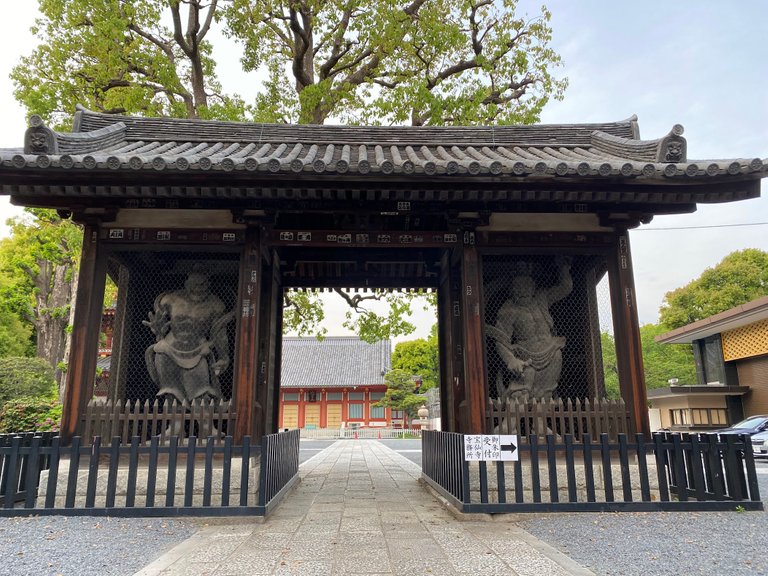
(279, 465)
(20, 472)
(673, 472)
(202, 478)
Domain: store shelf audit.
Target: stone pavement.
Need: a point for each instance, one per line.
(360, 509)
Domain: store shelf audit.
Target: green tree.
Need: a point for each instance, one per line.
(664, 361)
(419, 358)
(660, 361)
(26, 378)
(120, 57)
(423, 62)
(41, 256)
(739, 278)
(610, 366)
(419, 61)
(15, 333)
(400, 394)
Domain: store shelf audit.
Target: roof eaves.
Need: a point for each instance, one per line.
(708, 390)
(730, 319)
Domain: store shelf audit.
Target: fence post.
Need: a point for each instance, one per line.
(33, 473)
(264, 463)
(464, 464)
(749, 462)
(12, 476)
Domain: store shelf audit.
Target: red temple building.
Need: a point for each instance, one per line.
(335, 383)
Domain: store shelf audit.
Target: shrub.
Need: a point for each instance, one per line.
(26, 378)
(30, 415)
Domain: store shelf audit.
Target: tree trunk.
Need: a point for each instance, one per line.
(53, 310)
(68, 339)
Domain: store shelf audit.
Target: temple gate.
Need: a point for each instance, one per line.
(522, 230)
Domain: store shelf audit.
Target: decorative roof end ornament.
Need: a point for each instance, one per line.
(673, 148)
(39, 139)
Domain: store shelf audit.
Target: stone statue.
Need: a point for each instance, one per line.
(191, 347)
(524, 334)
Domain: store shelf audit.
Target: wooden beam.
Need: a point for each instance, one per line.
(629, 356)
(474, 348)
(246, 347)
(89, 303)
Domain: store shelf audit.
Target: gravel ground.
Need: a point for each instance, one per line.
(84, 546)
(612, 544)
(662, 543)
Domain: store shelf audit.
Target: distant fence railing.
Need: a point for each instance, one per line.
(202, 477)
(558, 417)
(360, 433)
(159, 417)
(673, 472)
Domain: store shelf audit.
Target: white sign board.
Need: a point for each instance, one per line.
(490, 447)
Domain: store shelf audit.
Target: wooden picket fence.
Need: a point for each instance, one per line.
(160, 417)
(558, 417)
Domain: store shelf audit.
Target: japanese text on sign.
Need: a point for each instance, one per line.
(489, 447)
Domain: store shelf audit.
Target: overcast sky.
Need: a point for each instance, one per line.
(699, 63)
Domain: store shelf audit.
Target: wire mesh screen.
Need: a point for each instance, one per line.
(174, 325)
(543, 317)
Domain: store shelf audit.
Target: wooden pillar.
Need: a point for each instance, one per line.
(246, 368)
(273, 340)
(120, 337)
(89, 304)
(446, 318)
(474, 349)
(592, 343)
(629, 356)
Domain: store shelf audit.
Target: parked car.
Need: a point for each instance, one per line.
(751, 425)
(760, 444)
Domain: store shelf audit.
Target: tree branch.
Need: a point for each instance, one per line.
(337, 52)
(208, 20)
(301, 48)
(355, 301)
(165, 46)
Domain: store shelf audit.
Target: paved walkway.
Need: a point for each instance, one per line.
(360, 509)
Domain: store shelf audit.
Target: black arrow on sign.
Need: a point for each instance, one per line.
(509, 447)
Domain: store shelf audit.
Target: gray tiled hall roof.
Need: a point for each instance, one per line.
(333, 362)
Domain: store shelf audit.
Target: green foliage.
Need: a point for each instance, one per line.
(39, 260)
(422, 62)
(30, 415)
(373, 327)
(660, 361)
(26, 377)
(419, 358)
(303, 313)
(121, 57)
(400, 393)
(610, 366)
(740, 277)
(433, 62)
(15, 332)
(664, 361)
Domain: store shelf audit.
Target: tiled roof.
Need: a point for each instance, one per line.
(333, 362)
(109, 142)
